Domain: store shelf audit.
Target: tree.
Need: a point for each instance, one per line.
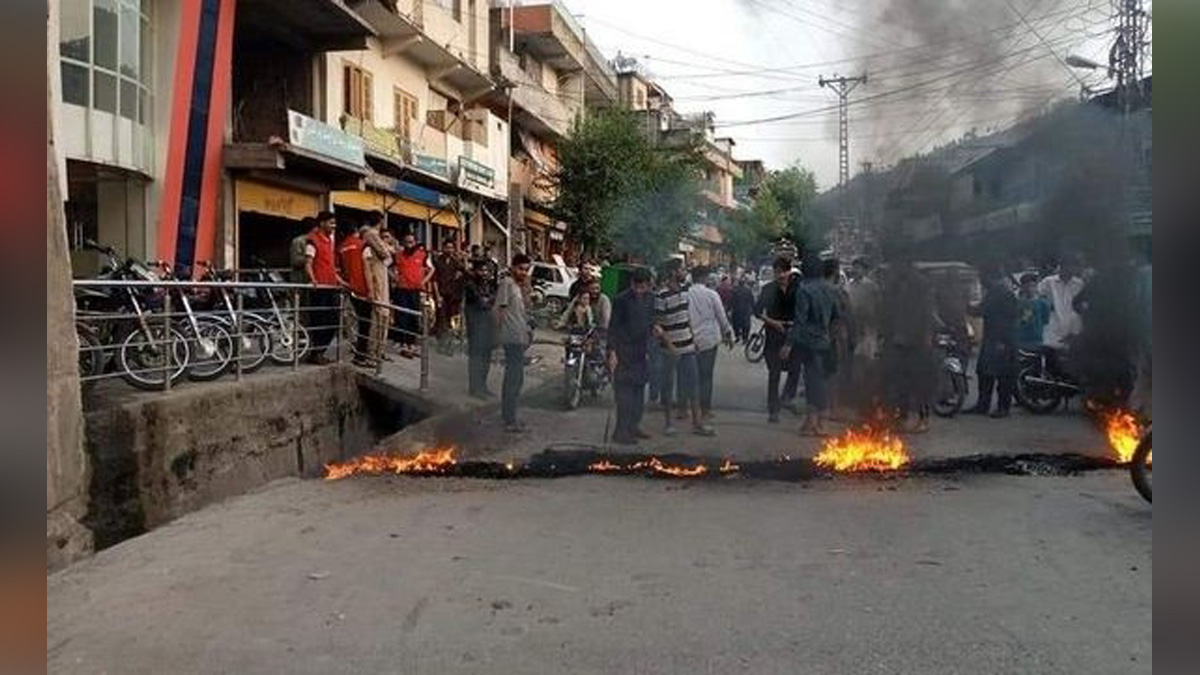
(622, 194)
(794, 190)
(750, 232)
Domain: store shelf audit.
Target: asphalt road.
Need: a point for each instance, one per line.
(958, 574)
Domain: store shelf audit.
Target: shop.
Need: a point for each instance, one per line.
(268, 216)
(426, 213)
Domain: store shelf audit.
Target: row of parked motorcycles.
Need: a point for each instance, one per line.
(124, 329)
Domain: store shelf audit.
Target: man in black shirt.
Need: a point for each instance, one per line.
(776, 307)
(629, 332)
(479, 295)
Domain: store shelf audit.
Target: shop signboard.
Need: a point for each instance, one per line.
(324, 139)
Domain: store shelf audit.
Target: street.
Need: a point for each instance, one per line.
(954, 574)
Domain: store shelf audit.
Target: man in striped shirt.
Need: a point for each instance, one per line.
(673, 327)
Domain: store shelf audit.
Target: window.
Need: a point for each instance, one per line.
(541, 273)
(107, 53)
(357, 87)
(404, 110)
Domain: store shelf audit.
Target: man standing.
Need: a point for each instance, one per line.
(816, 310)
(296, 251)
(1060, 290)
(997, 361)
(776, 308)
(1033, 313)
(449, 279)
(414, 270)
(839, 367)
(629, 335)
(320, 267)
(710, 327)
(515, 335)
(673, 321)
(907, 323)
(377, 260)
(480, 293)
(741, 302)
(350, 256)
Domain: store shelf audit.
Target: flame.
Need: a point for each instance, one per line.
(729, 467)
(604, 466)
(654, 463)
(424, 462)
(1124, 433)
(867, 449)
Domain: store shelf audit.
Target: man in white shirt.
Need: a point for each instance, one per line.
(1060, 290)
(710, 327)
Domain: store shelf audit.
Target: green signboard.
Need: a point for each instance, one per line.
(324, 139)
(431, 164)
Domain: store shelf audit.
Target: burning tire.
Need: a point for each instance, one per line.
(1140, 468)
(1033, 396)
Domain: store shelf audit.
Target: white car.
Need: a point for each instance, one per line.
(551, 286)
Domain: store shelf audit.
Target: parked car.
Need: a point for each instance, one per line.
(551, 286)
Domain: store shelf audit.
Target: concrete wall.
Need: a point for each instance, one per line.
(66, 465)
(159, 455)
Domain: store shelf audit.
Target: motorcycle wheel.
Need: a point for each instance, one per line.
(254, 344)
(573, 385)
(950, 404)
(754, 347)
(1037, 399)
(91, 357)
(282, 352)
(1140, 467)
(140, 357)
(212, 351)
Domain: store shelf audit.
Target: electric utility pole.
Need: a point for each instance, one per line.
(1126, 59)
(843, 86)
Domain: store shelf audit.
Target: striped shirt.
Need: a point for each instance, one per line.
(671, 314)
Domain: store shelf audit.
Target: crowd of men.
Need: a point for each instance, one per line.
(860, 343)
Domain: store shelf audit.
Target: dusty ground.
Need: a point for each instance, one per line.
(967, 574)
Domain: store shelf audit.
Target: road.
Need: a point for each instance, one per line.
(954, 574)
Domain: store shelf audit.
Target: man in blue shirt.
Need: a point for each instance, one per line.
(1033, 313)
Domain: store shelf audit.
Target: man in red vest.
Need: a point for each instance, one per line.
(321, 268)
(350, 256)
(414, 269)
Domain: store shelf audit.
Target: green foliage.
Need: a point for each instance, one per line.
(794, 190)
(750, 232)
(620, 193)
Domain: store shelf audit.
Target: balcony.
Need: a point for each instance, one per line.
(535, 108)
(547, 30)
(401, 35)
(307, 25)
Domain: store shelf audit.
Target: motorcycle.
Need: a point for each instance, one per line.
(584, 368)
(1042, 382)
(952, 387)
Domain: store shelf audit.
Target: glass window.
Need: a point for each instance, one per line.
(129, 99)
(104, 30)
(147, 49)
(74, 84)
(129, 42)
(143, 106)
(73, 39)
(106, 92)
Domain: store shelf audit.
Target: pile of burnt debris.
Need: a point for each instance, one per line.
(584, 460)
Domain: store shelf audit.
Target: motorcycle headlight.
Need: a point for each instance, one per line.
(576, 340)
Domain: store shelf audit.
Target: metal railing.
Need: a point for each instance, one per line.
(152, 334)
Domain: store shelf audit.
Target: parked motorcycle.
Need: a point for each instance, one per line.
(584, 368)
(145, 352)
(1042, 381)
(952, 375)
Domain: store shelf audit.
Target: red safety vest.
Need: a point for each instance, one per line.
(410, 268)
(350, 253)
(324, 267)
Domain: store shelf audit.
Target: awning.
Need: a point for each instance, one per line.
(378, 201)
(274, 201)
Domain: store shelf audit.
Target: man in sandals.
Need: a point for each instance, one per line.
(673, 328)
